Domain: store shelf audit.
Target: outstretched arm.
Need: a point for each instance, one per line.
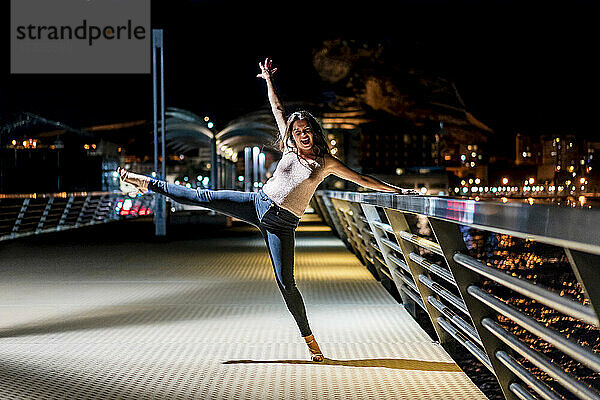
(338, 168)
(276, 106)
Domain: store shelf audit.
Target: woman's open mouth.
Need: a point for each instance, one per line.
(305, 141)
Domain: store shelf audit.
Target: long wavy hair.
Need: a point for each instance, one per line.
(320, 146)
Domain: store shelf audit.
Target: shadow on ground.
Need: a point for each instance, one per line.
(393, 363)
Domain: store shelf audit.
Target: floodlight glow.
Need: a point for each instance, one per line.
(127, 204)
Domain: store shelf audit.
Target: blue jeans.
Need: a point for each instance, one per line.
(277, 225)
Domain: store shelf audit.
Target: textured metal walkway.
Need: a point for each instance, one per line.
(84, 315)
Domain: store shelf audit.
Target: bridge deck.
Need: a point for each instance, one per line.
(107, 313)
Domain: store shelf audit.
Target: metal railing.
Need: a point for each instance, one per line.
(416, 245)
(31, 214)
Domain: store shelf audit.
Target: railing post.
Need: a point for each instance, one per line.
(398, 223)
(98, 209)
(318, 200)
(114, 214)
(330, 208)
(82, 211)
(40, 225)
(214, 163)
(160, 220)
(65, 213)
(248, 169)
(372, 216)
(340, 207)
(22, 212)
(374, 263)
(585, 266)
(353, 216)
(450, 239)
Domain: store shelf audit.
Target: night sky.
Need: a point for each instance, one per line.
(519, 68)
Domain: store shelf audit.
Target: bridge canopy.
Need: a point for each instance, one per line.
(186, 131)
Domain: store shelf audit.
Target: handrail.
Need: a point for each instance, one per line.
(34, 214)
(444, 293)
(569, 347)
(421, 242)
(436, 269)
(63, 195)
(415, 297)
(521, 392)
(454, 317)
(536, 292)
(455, 288)
(569, 227)
(407, 282)
(540, 361)
(382, 226)
(391, 245)
(531, 380)
(399, 262)
(476, 351)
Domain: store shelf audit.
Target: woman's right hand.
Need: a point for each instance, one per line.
(266, 69)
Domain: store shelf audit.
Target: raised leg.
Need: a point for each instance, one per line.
(241, 205)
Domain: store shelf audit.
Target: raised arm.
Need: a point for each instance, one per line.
(276, 106)
(339, 169)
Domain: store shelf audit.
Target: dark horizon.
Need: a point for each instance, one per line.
(527, 69)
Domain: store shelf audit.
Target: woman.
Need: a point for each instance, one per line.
(276, 208)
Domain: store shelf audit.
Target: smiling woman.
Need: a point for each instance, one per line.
(303, 133)
(276, 209)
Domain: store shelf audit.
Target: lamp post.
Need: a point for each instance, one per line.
(160, 205)
(247, 169)
(58, 145)
(255, 151)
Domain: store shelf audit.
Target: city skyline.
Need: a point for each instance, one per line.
(518, 68)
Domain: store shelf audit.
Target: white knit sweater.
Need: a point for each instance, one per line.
(294, 181)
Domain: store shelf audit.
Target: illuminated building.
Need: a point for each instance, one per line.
(35, 156)
(528, 150)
